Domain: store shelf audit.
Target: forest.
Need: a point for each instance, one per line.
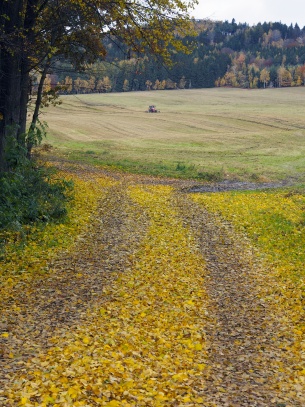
(219, 54)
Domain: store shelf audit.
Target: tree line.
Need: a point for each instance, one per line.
(219, 54)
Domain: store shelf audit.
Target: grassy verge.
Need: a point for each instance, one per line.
(163, 168)
(27, 251)
(274, 222)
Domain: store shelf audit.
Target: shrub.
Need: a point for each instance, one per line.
(31, 193)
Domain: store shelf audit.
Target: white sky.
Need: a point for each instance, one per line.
(252, 12)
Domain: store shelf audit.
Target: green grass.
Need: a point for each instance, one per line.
(206, 134)
(273, 220)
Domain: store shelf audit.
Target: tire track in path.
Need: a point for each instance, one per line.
(58, 300)
(249, 364)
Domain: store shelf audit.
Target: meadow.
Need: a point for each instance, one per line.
(207, 134)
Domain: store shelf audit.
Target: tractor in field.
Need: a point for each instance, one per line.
(152, 109)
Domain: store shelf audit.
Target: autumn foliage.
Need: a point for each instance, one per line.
(143, 335)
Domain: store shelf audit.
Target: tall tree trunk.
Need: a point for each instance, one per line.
(37, 104)
(10, 73)
(29, 22)
(24, 99)
(17, 19)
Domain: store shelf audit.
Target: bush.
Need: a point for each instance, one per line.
(31, 194)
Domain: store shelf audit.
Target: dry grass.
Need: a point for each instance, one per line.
(253, 134)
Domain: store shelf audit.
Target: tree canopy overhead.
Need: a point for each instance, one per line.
(34, 32)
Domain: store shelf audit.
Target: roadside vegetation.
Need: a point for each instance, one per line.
(32, 194)
(29, 242)
(273, 220)
(273, 224)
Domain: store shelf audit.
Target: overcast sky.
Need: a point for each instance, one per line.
(252, 12)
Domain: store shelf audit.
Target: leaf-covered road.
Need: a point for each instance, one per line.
(247, 342)
(33, 311)
(158, 304)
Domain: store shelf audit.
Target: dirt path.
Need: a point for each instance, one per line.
(248, 359)
(47, 305)
(247, 364)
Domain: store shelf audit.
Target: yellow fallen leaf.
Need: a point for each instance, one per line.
(201, 366)
(73, 392)
(198, 346)
(48, 400)
(5, 335)
(180, 377)
(187, 399)
(114, 403)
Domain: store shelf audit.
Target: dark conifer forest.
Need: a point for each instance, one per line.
(220, 54)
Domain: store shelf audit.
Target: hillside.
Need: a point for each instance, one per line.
(220, 54)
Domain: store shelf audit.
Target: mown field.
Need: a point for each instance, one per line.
(207, 134)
